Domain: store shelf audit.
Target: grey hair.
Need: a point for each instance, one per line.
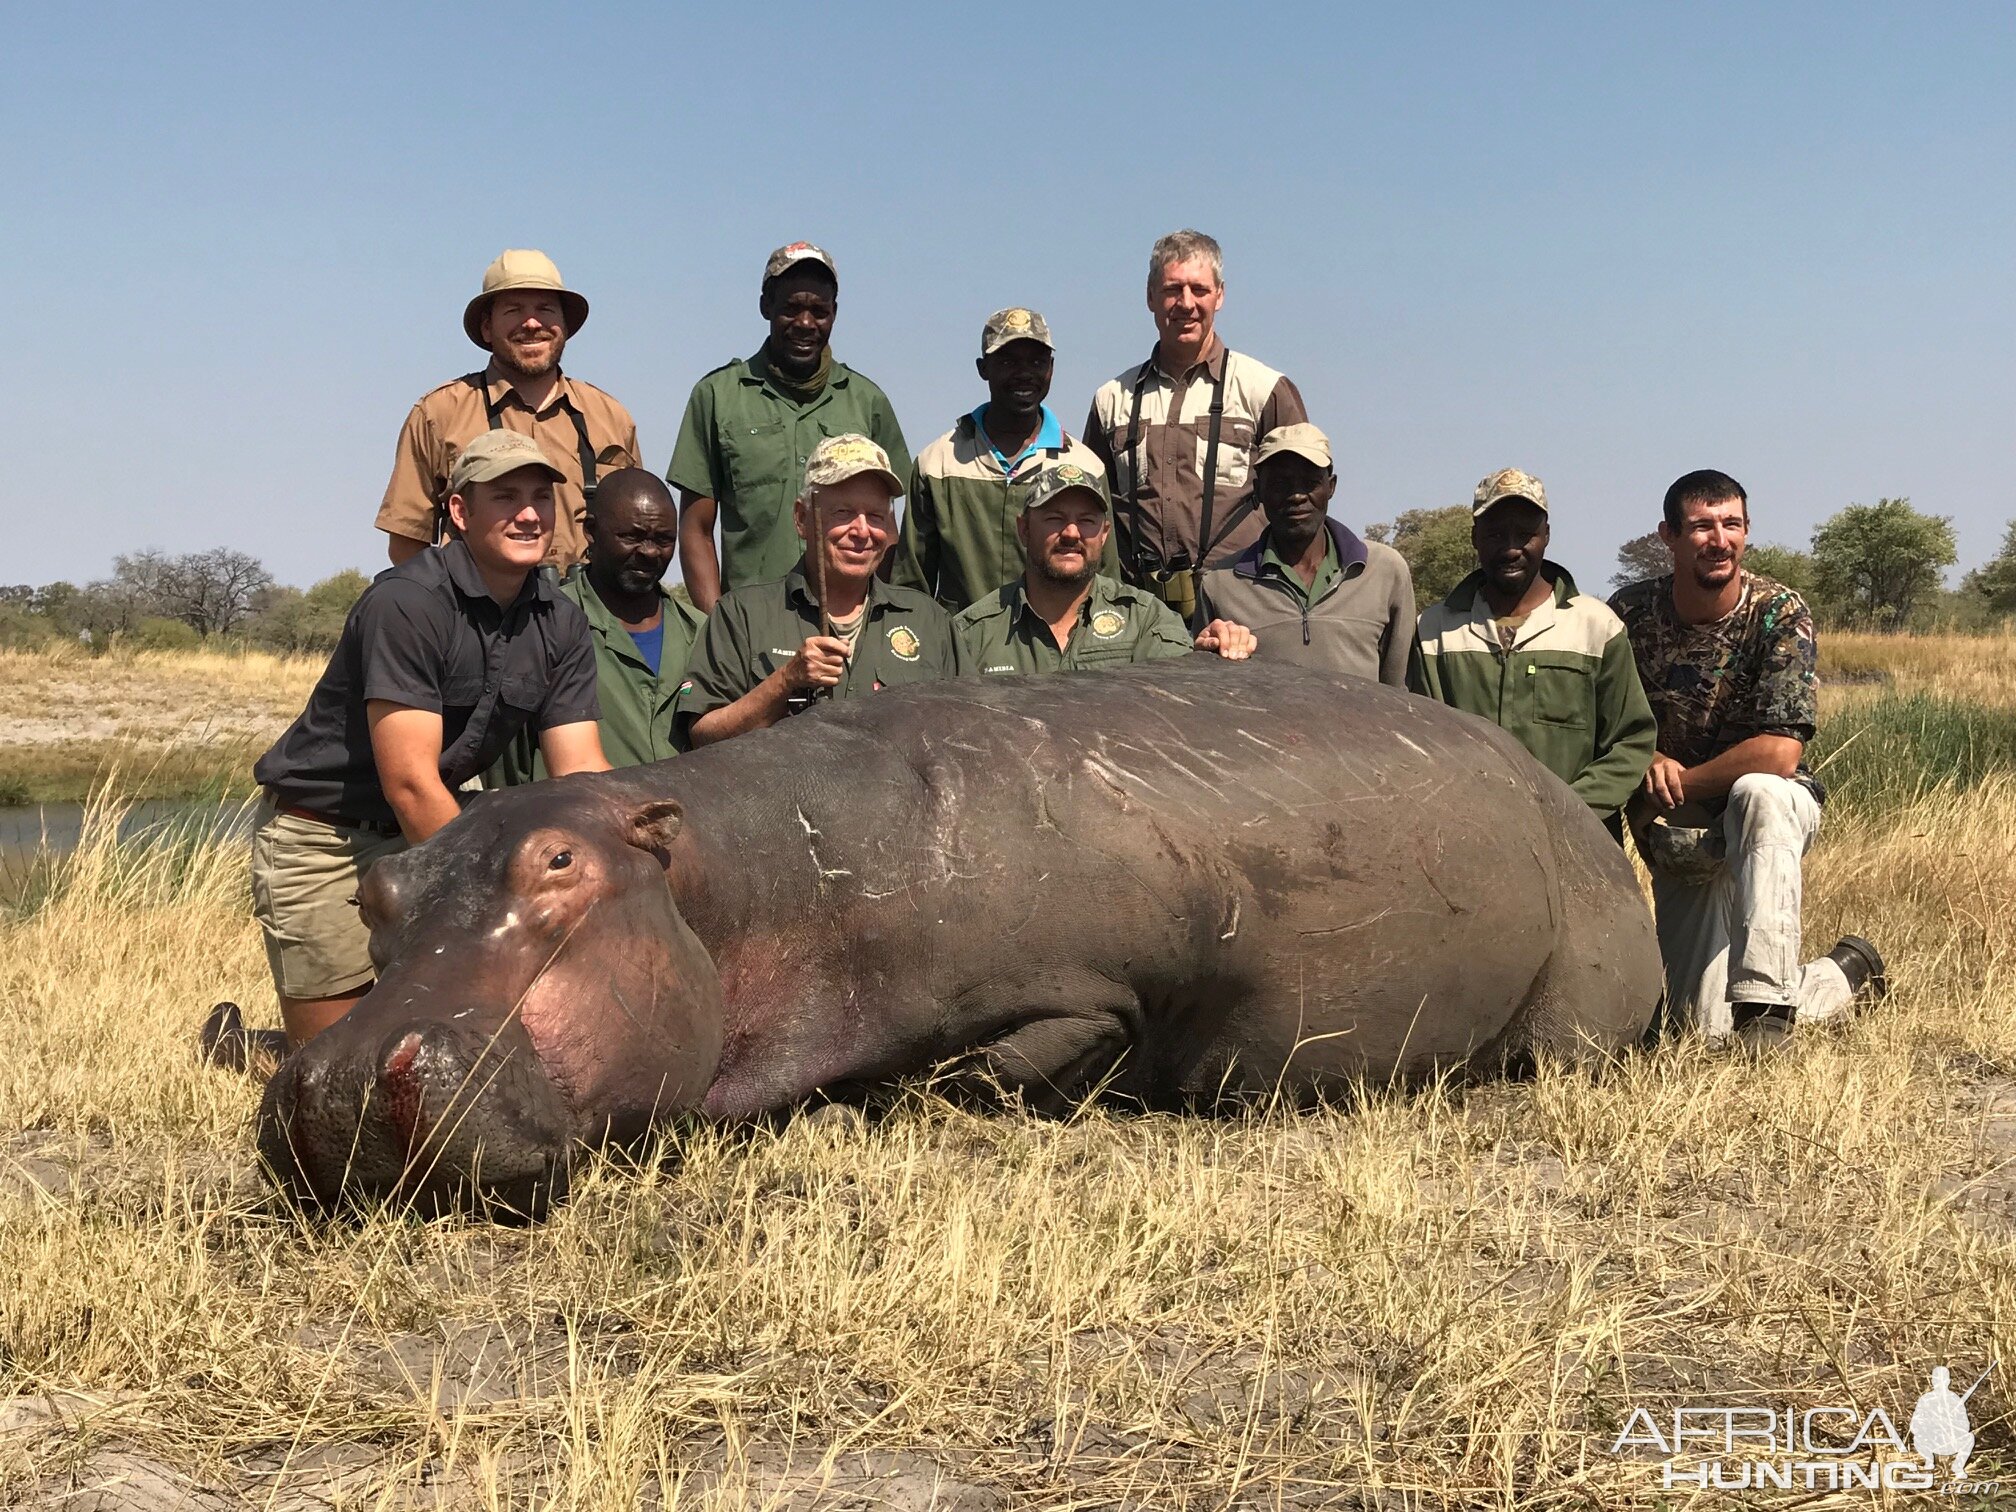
(1183, 246)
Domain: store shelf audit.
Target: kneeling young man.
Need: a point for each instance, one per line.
(1728, 809)
(829, 628)
(443, 660)
(1063, 615)
(1515, 644)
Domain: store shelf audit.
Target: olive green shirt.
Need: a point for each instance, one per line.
(744, 444)
(907, 637)
(1326, 574)
(1117, 624)
(636, 703)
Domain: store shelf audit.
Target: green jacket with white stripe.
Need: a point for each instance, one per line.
(1567, 689)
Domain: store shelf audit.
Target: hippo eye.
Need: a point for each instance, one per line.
(560, 861)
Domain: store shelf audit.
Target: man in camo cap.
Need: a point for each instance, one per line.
(829, 628)
(1063, 615)
(751, 425)
(959, 541)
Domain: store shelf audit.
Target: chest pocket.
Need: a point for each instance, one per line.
(524, 693)
(1563, 687)
(757, 460)
(1235, 450)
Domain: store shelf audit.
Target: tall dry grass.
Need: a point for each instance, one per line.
(1449, 1298)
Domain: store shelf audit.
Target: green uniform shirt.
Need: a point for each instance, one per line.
(744, 444)
(1117, 624)
(636, 703)
(959, 542)
(1567, 688)
(906, 638)
(1326, 574)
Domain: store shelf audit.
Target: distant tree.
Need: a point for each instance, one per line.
(1994, 581)
(209, 591)
(286, 619)
(1436, 544)
(1640, 558)
(1874, 562)
(1783, 564)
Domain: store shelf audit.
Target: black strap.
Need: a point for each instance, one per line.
(493, 412)
(1205, 543)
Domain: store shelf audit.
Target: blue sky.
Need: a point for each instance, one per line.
(1603, 243)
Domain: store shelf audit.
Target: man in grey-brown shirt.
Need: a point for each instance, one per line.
(1177, 432)
(1311, 590)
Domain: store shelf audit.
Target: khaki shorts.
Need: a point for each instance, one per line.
(304, 895)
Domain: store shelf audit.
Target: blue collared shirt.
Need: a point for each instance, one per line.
(1048, 434)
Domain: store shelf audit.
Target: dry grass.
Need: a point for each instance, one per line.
(167, 723)
(1452, 1298)
(1977, 668)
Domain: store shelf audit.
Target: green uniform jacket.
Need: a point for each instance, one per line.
(744, 445)
(907, 638)
(636, 719)
(959, 541)
(1568, 689)
(1117, 624)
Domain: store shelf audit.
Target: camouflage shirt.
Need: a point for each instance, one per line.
(1713, 686)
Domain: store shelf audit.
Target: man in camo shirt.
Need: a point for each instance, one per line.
(1729, 808)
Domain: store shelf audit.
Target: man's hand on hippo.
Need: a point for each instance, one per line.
(819, 663)
(1229, 639)
(1665, 782)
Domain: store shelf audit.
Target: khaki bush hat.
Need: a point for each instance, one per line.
(493, 454)
(1061, 478)
(1508, 483)
(1303, 439)
(839, 458)
(791, 254)
(1016, 324)
(521, 268)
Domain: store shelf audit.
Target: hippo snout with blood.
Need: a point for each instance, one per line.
(1172, 884)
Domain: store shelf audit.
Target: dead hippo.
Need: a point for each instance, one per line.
(1175, 883)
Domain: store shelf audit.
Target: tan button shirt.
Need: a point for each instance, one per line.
(1159, 515)
(453, 415)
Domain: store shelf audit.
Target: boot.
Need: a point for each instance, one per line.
(1761, 1028)
(226, 1043)
(1863, 966)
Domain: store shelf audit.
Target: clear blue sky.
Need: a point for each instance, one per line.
(1604, 243)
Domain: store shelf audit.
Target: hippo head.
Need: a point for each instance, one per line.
(536, 989)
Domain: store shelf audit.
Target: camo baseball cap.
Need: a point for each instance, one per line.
(1061, 478)
(495, 453)
(1013, 324)
(838, 458)
(792, 253)
(1508, 483)
(1303, 439)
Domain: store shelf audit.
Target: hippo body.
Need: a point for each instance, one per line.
(1172, 883)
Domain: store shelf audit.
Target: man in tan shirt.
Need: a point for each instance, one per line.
(1178, 432)
(523, 318)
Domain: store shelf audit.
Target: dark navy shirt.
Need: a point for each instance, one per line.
(427, 635)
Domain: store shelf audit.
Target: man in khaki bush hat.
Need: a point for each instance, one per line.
(445, 658)
(523, 317)
(829, 628)
(751, 425)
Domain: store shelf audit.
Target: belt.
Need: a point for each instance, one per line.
(337, 821)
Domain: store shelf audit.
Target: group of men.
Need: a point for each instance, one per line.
(1193, 515)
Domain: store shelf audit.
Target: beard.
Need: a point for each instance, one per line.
(1064, 574)
(1715, 574)
(529, 362)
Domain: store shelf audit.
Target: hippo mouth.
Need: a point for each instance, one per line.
(436, 1114)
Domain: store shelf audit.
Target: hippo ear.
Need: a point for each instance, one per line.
(652, 825)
